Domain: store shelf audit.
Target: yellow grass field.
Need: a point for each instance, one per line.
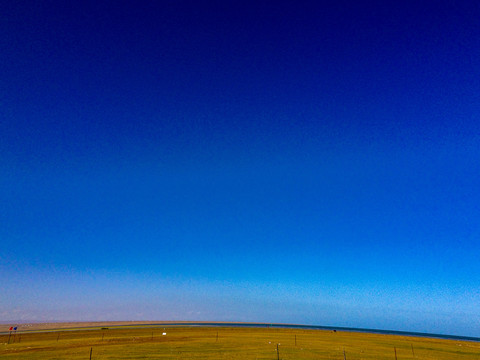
(198, 342)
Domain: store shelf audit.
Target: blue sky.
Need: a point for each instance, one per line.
(247, 161)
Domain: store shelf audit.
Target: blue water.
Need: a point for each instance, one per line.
(332, 328)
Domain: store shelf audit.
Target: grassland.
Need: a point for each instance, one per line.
(182, 342)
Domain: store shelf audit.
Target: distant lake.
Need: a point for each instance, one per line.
(318, 327)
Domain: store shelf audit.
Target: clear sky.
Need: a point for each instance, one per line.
(247, 161)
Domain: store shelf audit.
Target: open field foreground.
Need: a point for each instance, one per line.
(139, 342)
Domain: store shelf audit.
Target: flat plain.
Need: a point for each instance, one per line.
(142, 341)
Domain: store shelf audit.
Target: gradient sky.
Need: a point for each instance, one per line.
(246, 161)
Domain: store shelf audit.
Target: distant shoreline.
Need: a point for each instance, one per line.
(73, 325)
